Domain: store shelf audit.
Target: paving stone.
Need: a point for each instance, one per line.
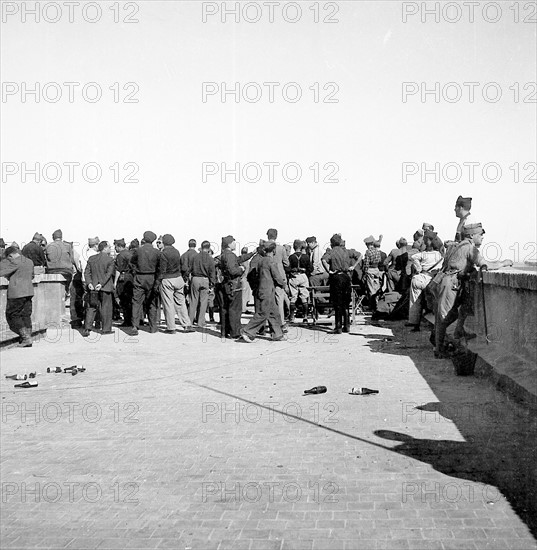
(161, 431)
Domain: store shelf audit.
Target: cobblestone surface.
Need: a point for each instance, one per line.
(186, 441)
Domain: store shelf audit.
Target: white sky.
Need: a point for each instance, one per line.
(170, 132)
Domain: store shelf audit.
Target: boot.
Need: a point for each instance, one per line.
(211, 315)
(292, 310)
(346, 323)
(26, 335)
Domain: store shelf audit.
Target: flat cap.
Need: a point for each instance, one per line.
(167, 240)
(149, 236)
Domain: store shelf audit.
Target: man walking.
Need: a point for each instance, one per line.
(203, 279)
(281, 260)
(99, 278)
(172, 286)
(20, 271)
(265, 293)
(145, 263)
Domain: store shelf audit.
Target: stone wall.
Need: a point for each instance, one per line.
(48, 305)
(508, 350)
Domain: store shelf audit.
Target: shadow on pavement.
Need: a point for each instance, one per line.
(500, 436)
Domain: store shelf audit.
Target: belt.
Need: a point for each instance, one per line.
(201, 276)
(145, 273)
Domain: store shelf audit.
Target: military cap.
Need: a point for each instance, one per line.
(57, 234)
(167, 240)
(473, 229)
(37, 236)
(149, 236)
(369, 240)
(226, 241)
(119, 242)
(92, 241)
(465, 202)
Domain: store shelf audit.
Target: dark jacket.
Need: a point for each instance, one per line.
(170, 263)
(100, 270)
(203, 266)
(20, 272)
(35, 252)
(269, 278)
(229, 265)
(186, 262)
(145, 260)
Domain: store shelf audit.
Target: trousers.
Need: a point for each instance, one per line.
(104, 306)
(199, 299)
(418, 284)
(19, 313)
(144, 293)
(172, 295)
(266, 310)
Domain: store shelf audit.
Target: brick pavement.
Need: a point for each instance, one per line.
(189, 442)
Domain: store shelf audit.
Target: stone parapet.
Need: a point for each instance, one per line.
(48, 305)
(507, 348)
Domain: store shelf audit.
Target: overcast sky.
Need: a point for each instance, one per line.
(366, 136)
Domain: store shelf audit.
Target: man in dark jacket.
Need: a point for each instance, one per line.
(268, 279)
(34, 251)
(123, 281)
(20, 271)
(299, 271)
(231, 308)
(203, 279)
(145, 262)
(99, 276)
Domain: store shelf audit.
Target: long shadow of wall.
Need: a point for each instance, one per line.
(500, 436)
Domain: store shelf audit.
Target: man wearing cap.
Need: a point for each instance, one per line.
(60, 258)
(123, 281)
(452, 304)
(34, 251)
(203, 279)
(172, 286)
(395, 264)
(231, 307)
(99, 278)
(372, 275)
(145, 263)
(339, 268)
(20, 271)
(267, 279)
(462, 211)
(281, 259)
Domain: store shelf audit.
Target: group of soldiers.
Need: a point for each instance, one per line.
(138, 279)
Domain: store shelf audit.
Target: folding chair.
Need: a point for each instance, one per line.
(320, 300)
(356, 302)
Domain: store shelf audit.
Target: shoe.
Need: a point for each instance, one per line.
(336, 331)
(134, 331)
(246, 338)
(27, 385)
(285, 328)
(107, 332)
(189, 329)
(282, 338)
(346, 329)
(85, 333)
(170, 331)
(26, 335)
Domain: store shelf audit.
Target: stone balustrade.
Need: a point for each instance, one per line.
(48, 305)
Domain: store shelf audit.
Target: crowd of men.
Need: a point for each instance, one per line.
(134, 282)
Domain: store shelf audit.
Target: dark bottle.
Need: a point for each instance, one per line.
(316, 389)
